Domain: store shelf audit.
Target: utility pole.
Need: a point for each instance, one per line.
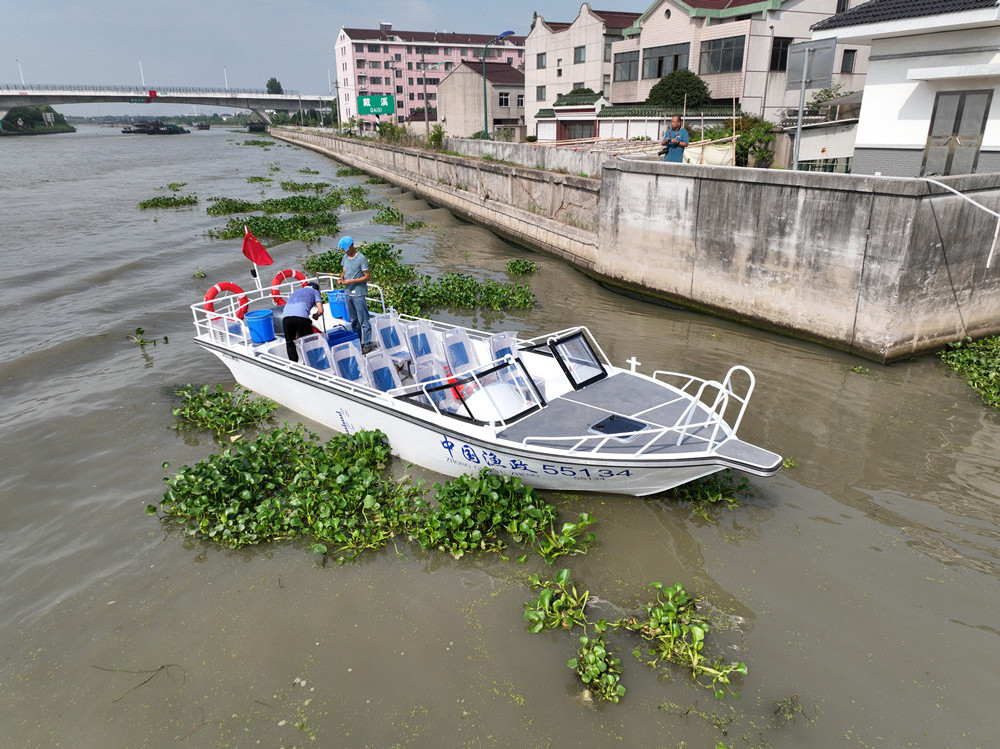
(19, 72)
(225, 74)
(427, 113)
(141, 76)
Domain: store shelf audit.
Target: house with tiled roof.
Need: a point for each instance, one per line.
(409, 65)
(931, 102)
(561, 56)
(460, 99)
(739, 47)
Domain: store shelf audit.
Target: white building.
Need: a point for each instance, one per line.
(931, 104)
(563, 56)
(409, 65)
(460, 98)
(739, 47)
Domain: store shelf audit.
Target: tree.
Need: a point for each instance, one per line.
(274, 86)
(670, 90)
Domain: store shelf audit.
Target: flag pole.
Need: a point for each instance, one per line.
(256, 270)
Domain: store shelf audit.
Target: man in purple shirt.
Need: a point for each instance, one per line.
(295, 322)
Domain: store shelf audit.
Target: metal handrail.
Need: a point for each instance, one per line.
(140, 89)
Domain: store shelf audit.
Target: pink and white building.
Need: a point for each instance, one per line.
(409, 65)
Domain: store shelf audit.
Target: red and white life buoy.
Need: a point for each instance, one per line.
(280, 278)
(233, 289)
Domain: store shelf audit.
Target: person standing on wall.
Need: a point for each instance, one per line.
(295, 322)
(354, 277)
(675, 141)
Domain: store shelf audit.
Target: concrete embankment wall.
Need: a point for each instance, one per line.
(880, 267)
(550, 212)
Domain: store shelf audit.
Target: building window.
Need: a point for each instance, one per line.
(504, 99)
(399, 89)
(427, 50)
(362, 80)
(559, 73)
(409, 66)
(606, 89)
(579, 54)
(375, 81)
(577, 86)
(447, 50)
(374, 47)
(779, 53)
(385, 49)
(411, 96)
(847, 63)
(510, 60)
(359, 64)
(539, 93)
(955, 137)
(520, 101)
(540, 60)
(375, 64)
(448, 65)
(409, 81)
(627, 66)
(842, 5)
(399, 73)
(397, 57)
(359, 48)
(722, 55)
(608, 41)
(660, 61)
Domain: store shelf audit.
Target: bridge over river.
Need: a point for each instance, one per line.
(256, 100)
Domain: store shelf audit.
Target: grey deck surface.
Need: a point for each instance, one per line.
(574, 413)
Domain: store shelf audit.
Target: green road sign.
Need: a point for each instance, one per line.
(377, 104)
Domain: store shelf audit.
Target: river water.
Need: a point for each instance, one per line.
(862, 584)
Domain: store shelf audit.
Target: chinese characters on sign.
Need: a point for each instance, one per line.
(377, 104)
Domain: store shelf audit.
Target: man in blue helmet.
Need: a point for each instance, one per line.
(354, 277)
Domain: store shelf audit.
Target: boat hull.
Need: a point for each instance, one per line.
(458, 449)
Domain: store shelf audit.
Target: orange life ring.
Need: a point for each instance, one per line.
(280, 278)
(233, 289)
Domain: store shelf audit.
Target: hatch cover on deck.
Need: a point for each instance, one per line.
(619, 427)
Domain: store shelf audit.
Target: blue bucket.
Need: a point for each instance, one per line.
(338, 308)
(260, 324)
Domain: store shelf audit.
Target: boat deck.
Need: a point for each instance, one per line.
(623, 395)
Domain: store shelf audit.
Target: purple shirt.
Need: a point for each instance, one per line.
(301, 301)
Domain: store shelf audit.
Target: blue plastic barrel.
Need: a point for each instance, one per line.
(260, 324)
(338, 307)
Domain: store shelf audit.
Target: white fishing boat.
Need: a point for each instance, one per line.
(551, 410)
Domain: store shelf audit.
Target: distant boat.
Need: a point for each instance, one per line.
(153, 128)
(202, 126)
(256, 127)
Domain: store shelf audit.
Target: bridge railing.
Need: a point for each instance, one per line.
(136, 90)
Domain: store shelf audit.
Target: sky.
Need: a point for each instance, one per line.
(203, 42)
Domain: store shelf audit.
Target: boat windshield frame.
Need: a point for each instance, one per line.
(560, 351)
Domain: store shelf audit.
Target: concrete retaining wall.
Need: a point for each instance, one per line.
(556, 213)
(881, 267)
(532, 155)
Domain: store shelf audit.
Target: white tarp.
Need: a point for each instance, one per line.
(716, 154)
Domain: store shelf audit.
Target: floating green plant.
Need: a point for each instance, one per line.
(169, 201)
(676, 633)
(259, 179)
(721, 489)
(291, 204)
(978, 363)
(415, 224)
(597, 666)
(350, 171)
(304, 227)
(316, 187)
(559, 605)
(307, 170)
(176, 186)
(389, 214)
(260, 143)
(218, 410)
(374, 181)
(521, 266)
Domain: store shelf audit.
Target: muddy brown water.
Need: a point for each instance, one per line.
(862, 584)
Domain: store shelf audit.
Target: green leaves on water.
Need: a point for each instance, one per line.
(721, 489)
(169, 201)
(521, 266)
(597, 666)
(305, 227)
(218, 410)
(978, 363)
(676, 632)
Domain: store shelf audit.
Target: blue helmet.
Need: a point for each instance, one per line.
(345, 243)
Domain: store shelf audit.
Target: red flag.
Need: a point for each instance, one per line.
(254, 250)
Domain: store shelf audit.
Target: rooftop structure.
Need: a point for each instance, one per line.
(460, 102)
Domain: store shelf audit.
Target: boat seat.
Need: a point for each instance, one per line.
(430, 371)
(458, 351)
(391, 337)
(349, 364)
(314, 351)
(382, 371)
(422, 342)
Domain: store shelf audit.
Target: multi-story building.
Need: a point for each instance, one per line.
(739, 47)
(409, 65)
(461, 109)
(563, 56)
